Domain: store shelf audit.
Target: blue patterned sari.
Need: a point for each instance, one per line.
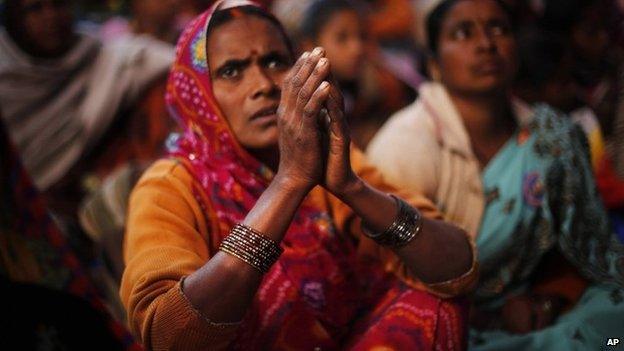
(540, 195)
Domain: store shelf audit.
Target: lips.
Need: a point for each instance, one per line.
(267, 112)
(489, 66)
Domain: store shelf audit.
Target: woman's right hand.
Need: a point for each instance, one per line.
(304, 93)
(526, 313)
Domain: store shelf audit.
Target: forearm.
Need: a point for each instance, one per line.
(440, 251)
(223, 289)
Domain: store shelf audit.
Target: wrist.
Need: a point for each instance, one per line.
(292, 185)
(350, 190)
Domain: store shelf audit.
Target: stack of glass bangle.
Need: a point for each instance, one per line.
(405, 227)
(252, 247)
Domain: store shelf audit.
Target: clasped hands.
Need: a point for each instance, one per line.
(313, 133)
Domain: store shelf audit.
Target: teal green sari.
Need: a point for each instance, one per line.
(540, 195)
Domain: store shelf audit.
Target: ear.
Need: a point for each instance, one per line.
(433, 69)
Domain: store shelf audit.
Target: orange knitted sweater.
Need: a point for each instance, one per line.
(168, 237)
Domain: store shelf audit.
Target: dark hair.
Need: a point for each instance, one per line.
(221, 17)
(9, 16)
(562, 15)
(541, 55)
(438, 15)
(318, 14)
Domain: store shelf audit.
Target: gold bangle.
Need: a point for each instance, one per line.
(406, 226)
(251, 247)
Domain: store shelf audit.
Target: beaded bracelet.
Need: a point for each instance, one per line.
(405, 227)
(251, 247)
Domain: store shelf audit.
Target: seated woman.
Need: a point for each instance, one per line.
(75, 106)
(517, 178)
(545, 75)
(248, 235)
(371, 92)
(77, 110)
(47, 299)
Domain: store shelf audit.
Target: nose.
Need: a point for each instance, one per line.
(486, 41)
(263, 83)
(357, 46)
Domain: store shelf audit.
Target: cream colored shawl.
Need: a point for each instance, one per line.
(56, 110)
(426, 148)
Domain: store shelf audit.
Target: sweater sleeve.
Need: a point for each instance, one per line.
(347, 222)
(166, 240)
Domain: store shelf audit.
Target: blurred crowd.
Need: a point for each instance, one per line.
(83, 115)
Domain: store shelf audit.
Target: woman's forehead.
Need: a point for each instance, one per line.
(475, 11)
(245, 34)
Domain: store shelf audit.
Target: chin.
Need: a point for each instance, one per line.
(266, 139)
(493, 86)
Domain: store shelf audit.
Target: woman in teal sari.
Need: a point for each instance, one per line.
(518, 178)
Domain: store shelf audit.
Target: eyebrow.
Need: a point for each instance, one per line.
(467, 23)
(498, 20)
(275, 54)
(463, 23)
(235, 63)
(241, 63)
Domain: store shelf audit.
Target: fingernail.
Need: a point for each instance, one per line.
(317, 51)
(324, 85)
(305, 54)
(322, 62)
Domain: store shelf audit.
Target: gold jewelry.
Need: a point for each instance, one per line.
(251, 247)
(404, 229)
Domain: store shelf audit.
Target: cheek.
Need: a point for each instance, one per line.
(279, 77)
(509, 51)
(231, 106)
(33, 27)
(342, 63)
(453, 64)
(333, 49)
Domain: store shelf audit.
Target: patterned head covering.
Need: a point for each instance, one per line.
(208, 139)
(231, 182)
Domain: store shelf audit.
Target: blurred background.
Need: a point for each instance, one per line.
(82, 86)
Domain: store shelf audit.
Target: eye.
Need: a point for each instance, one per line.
(499, 29)
(33, 7)
(229, 72)
(276, 63)
(461, 33)
(342, 37)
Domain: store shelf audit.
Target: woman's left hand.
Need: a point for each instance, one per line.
(523, 314)
(339, 176)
